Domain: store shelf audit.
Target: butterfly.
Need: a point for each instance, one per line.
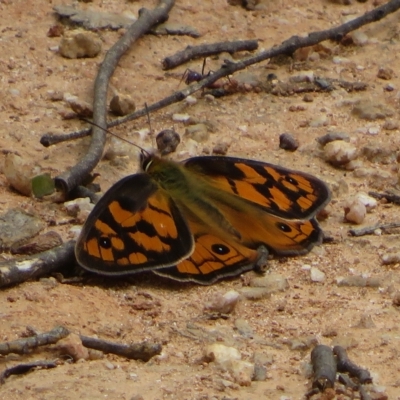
(201, 220)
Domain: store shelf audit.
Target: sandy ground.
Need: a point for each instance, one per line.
(365, 319)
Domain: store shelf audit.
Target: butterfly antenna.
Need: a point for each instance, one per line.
(118, 137)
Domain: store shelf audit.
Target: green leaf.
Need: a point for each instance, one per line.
(42, 185)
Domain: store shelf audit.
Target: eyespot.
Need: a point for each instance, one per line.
(105, 242)
(284, 227)
(220, 249)
(292, 180)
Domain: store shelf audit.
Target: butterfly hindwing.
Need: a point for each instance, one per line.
(280, 191)
(135, 226)
(212, 259)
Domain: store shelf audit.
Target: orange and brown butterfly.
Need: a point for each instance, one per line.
(201, 220)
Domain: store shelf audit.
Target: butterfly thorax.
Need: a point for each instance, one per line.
(189, 190)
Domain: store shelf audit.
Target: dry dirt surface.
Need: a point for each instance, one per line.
(275, 332)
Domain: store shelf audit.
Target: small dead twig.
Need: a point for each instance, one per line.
(20, 270)
(135, 351)
(390, 197)
(22, 346)
(24, 368)
(206, 50)
(344, 364)
(147, 19)
(324, 366)
(369, 230)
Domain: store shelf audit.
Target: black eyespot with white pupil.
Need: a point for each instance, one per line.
(292, 181)
(220, 249)
(284, 227)
(105, 242)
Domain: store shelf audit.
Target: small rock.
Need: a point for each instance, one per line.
(122, 104)
(385, 73)
(223, 304)
(369, 202)
(302, 343)
(181, 117)
(288, 142)
(79, 208)
(348, 342)
(355, 212)
(80, 107)
(37, 244)
(359, 38)
(16, 226)
(359, 281)
(79, 44)
(340, 152)
(109, 365)
(198, 132)
(229, 359)
(72, 345)
(303, 76)
(221, 148)
(392, 258)
(365, 322)
(319, 121)
(371, 110)
(167, 141)
(191, 100)
(244, 328)
(391, 125)
(260, 373)
(19, 173)
(379, 153)
(332, 136)
(255, 293)
(308, 98)
(396, 299)
(272, 282)
(317, 275)
(389, 87)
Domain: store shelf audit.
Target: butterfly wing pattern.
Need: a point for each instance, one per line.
(202, 220)
(134, 227)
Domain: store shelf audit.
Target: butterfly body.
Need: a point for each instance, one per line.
(201, 220)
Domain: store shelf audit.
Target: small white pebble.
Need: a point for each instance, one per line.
(317, 275)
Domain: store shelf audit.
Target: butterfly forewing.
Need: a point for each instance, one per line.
(280, 191)
(135, 226)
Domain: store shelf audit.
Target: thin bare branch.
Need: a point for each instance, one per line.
(147, 19)
(206, 50)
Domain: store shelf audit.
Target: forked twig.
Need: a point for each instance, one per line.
(147, 19)
(135, 351)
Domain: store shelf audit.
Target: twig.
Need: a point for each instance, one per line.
(135, 351)
(344, 364)
(24, 368)
(390, 197)
(206, 50)
(22, 346)
(287, 47)
(76, 175)
(20, 270)
(324, 366)
(369, 230)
